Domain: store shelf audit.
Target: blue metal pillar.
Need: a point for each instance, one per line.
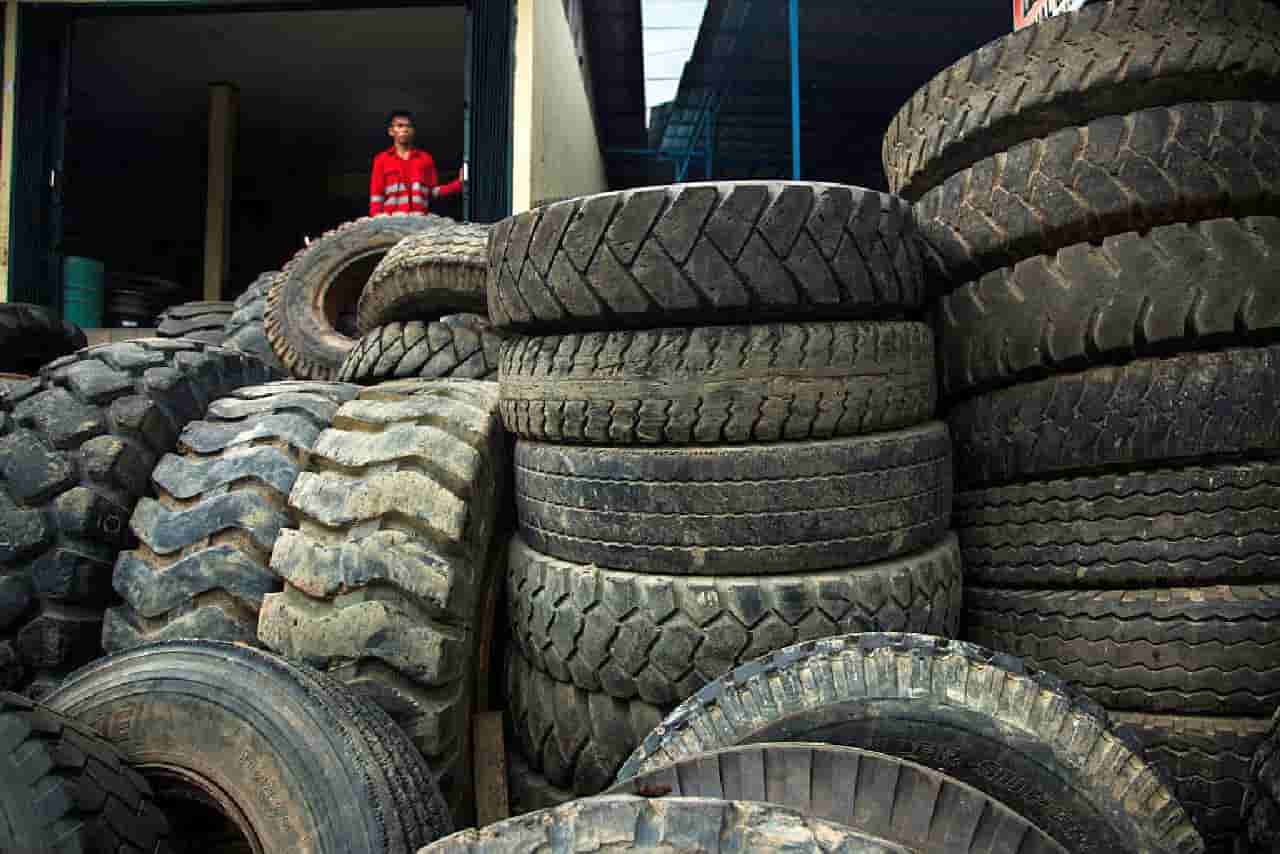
(794, 15)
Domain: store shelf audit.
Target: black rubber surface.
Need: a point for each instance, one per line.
(203, 321)
(426, 276)
(458, 345)
(32, 335)
(246, 330)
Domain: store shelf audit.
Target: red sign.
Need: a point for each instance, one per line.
(1028, 12)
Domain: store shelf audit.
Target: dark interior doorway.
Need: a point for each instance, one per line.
(314, 90)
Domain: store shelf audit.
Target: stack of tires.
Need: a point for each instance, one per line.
(1100, 192)
(724, 447)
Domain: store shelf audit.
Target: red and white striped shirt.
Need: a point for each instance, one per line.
(404, 185)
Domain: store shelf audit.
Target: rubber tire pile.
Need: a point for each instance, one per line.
(1109, 241)
(692, 497)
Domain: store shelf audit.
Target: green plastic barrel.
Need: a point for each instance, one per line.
(83, 290)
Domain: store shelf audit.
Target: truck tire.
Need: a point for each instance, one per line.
(426, 276)
(1197, 650)
(979, 716)
(322, 282)
(204, 321)
(201, 566)
(274, 753)
(728, 252)
(62, 788)
(1191, 407)
(246, 330)
(713, 384)
(1207, 761)
(742, 509)
(463, 346)
(577, 739)
(1108, 59)
(1121, 173)
(528, 789)
(32, 335)
(1187, 286)
(622, 823)
(386, 576)
(1182, 527)
(887, 797)
(660, 638)
(78, 445)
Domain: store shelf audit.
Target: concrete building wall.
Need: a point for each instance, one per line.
(556, 152)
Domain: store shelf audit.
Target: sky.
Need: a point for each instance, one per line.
(670, 29)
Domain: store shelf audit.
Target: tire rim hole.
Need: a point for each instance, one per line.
(203, 819)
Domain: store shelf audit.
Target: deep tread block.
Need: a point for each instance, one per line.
(428, 275)
(245, 329)
(458, 345)
(204, 321)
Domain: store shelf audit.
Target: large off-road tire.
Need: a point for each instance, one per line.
(1192, 526)
(204, 321)
(621, 823)
(462, 346)
(77, 446)
(1183, 408)
(577, 739)
(729, 252)
(1116, 174)
(32, 336)
(286, 756)
(201, 567)
(884, 796)
(387, 575)
(426, 276)
(245, 329)
(64, 789)
(719, 383)
(1261, 809)
(1021, 736)
(528, 789)
(737, 509)
(1207, 763)
(1191, 650)
(1178, 287)
(662, 637)
(1107, 59)
(322, 282)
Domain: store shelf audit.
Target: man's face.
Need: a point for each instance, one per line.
(401, 131)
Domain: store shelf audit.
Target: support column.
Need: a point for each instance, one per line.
(223, 99)
(793, 17)
(8, 118)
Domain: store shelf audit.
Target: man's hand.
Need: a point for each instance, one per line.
(462, 176)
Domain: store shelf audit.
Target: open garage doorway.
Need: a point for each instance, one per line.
(313, 91)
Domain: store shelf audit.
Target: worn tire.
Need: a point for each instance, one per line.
(386, 576)
(529, 790)
(201, 567)
(620, 823)
(1189, 407)
(884, 796)
(426, 276)
(1198, 650)
(245, 329)
(1207, 761)
(204, 321)
(322, 282)
(660, 638)
(305, 762)
(1191, 526)
(1261, 808)
(1106, 59)
(577, 739)
(728, 252)
(63, 789)
(741, 509)
(1117, 174)
(981, 717)
(1178, 287)
(32, 335)
(719, 383)
(77, 446)
(463, 346)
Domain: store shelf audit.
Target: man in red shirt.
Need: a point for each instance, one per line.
(404, 178)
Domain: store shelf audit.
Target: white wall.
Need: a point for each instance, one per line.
(555, 148)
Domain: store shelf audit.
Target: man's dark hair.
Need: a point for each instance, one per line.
(399, 114)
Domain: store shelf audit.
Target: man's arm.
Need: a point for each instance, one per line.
(439, 191)
(376, 185)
